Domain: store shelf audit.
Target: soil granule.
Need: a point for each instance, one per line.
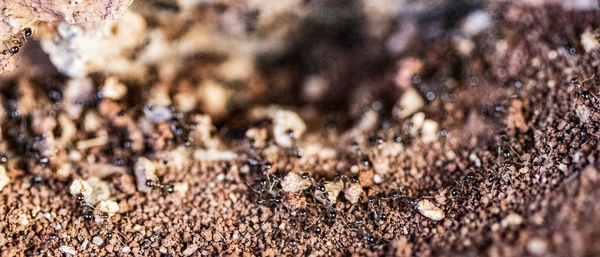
(508, 168)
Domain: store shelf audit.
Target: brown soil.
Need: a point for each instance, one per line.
(513, 168)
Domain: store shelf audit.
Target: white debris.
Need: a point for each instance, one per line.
(409, 103)
(537, 246)
(4, 179)
(67, 250)
(214, 155)
(285, 122)
(353, 192)
(512, 219)
(64, 170)
(144, 170)
(100, 190)
(333, 190)
(191, 249)
(583, 112)
(429, 210)
(97, 240)
(84, 245)
(377, 179)
(476, 22)
(429, 131)
(180, 188)
(109, 207)
(214, 97)
(126, 249)
(81, 187)
(113, 89)
(589, 41)
(294, 183)
(475, 159)
(76, 93)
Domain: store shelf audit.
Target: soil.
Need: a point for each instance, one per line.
(512, 167)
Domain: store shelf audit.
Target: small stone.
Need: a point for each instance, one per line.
(84, 245)
(285, 122)
(97, 240)
(126, 249)
(294, 183)
(589, 41)
(124, 182)
(144, 170)
(67, 250)
(429, 131)
(81, 187)
(429, 210)
(180, 188)
(333, 189)
(113, 89)
(537, 246)
(583, 112)
(109, 207)
(4, 179)
(191, 249)
(377, 179)
(353, 192)
(524, 170)
(409, 103)
(512, 219)
(64, 171)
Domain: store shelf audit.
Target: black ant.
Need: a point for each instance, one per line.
(168, 187)
(19, 41)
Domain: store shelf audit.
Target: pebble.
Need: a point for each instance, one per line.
(84, 244)
(377, 179)
(353, 193)
(97, 240)
(537, 246)
(429, 210)
(126, 249)
(190, 250)
(4, 179)
(294, 183)
(67, 250)
(512, 219)
(109, 207)
(80, 187)
(409, 103)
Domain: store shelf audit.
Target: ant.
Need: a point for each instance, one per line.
(18, 41)
(584, 93)
(168, 187)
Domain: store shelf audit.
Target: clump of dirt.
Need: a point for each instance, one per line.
(476, 135)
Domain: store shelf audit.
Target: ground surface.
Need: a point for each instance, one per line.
(513, 165)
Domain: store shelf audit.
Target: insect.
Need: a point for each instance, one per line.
(17, 41)
(168, 187)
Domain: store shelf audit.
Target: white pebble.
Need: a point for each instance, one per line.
(512, 219)
(126, 249)
(84, 244)
(97, 240)
(4, 179)
(81, 187)
(429, 210)
(294, 183)
(67, 249)
(377, 179)
(109, 207)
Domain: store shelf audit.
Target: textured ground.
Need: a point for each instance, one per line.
(512, 163)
